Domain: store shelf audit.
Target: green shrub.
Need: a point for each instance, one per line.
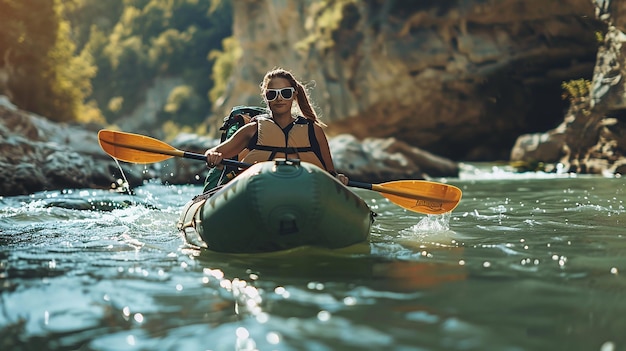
(576, 90)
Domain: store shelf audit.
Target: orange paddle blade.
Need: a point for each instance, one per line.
(421, 196)
(135, 148)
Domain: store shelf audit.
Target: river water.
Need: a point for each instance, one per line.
(525, 262)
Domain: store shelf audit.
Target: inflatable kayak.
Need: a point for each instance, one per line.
(277, 205)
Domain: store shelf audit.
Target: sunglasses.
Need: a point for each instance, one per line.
(285, 93)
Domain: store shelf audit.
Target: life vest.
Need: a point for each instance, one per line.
(297, 140)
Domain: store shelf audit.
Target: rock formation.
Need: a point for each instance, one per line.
(36, 155)
(460, 79)
(592, 136)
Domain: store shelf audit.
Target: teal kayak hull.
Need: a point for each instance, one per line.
(278, 205)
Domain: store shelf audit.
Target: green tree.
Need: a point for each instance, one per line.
(42, 73)
(85, 15)
(152, 39)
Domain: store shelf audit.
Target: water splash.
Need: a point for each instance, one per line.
(430, 231)
(429, 224)
(122, 187)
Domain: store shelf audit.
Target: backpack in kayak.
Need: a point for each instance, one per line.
(238, 117)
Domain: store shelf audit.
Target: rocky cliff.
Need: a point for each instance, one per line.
(592, 136)
(462, 79)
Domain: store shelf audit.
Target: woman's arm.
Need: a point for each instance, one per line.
(324, 148)
(326, 155)
(232, 146)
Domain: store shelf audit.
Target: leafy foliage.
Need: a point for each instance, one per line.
(40, 71)
(93, 59)
(327, 17)
(576, 90)
(223, 65)
(158, 38)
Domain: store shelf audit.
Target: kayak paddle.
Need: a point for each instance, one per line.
(417, 195)
(136, 148)
(414, 195)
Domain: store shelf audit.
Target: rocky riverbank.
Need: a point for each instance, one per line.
(38, 155)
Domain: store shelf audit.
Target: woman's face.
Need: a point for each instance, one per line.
(279, 95)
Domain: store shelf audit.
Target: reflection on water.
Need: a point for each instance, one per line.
(525, 262)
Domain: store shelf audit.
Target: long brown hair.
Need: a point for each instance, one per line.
(302, 95)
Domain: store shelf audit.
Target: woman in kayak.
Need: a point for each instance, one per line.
(280, 134)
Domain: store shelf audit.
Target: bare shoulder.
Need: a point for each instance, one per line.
(249, 129)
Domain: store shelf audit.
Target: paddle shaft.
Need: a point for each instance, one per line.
(233, 163)
(225, 162)
(414, 195)
(178, 153)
